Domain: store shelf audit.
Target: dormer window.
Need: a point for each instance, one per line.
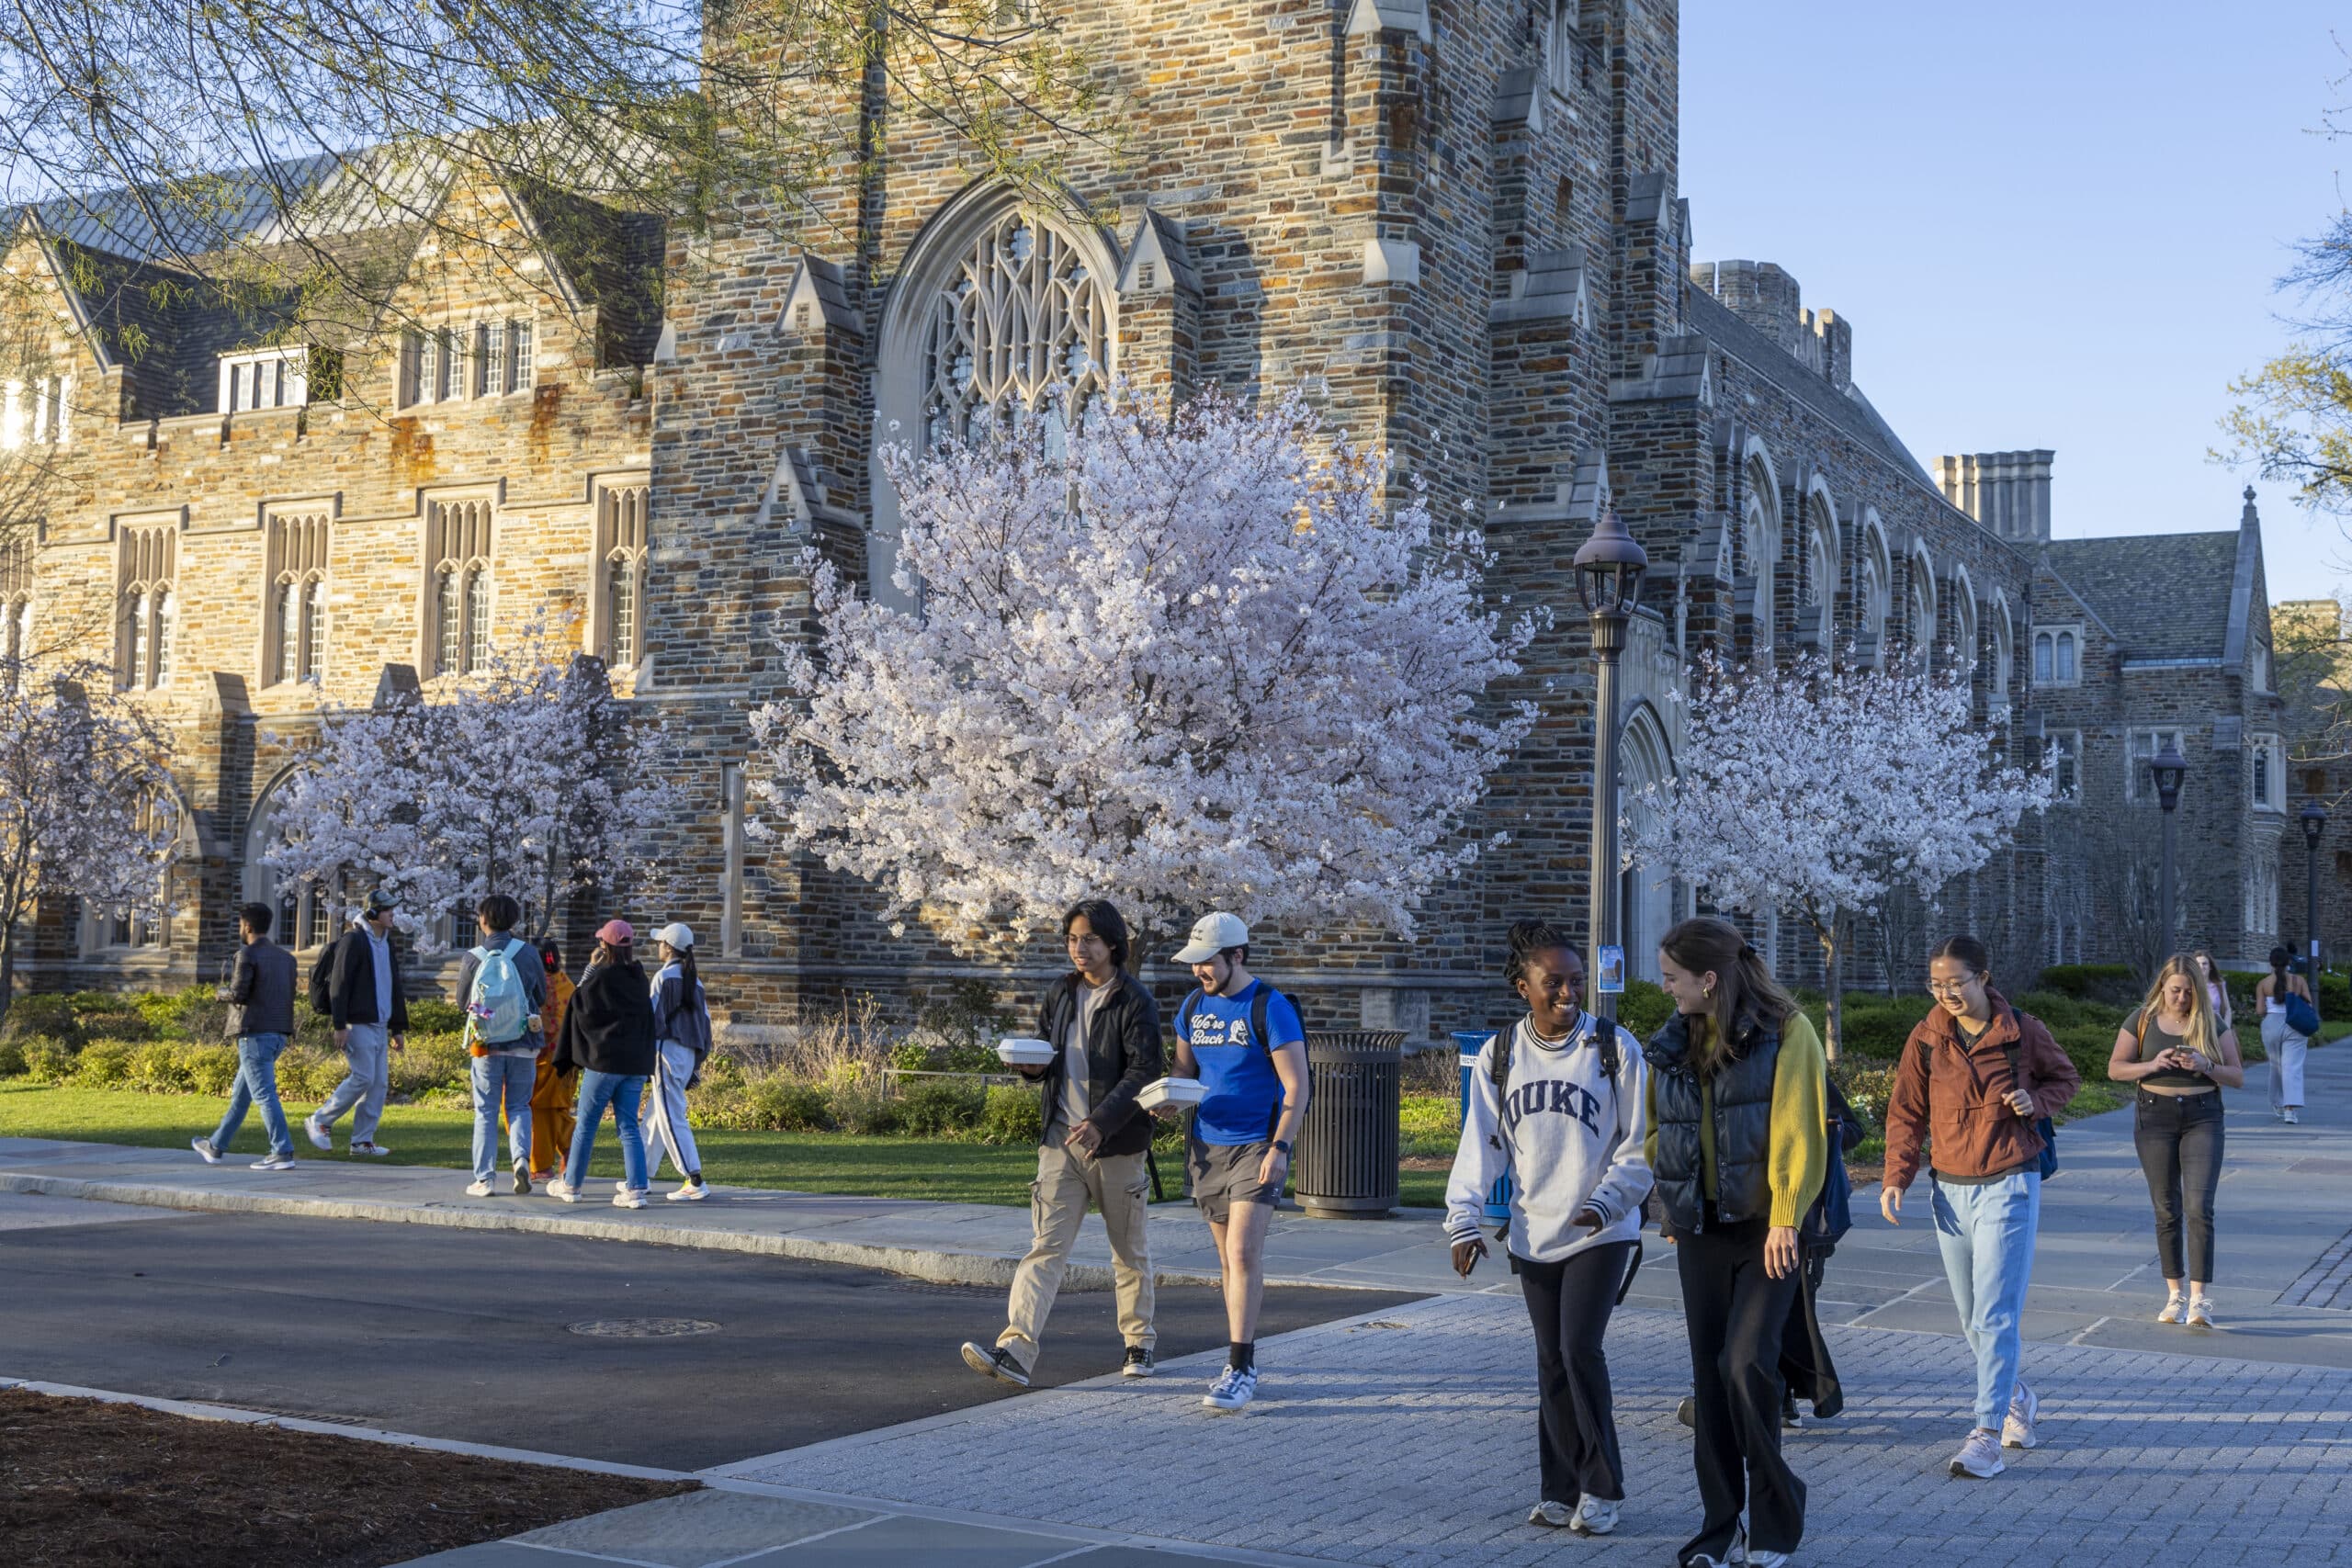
(481, 359)
(272, 379)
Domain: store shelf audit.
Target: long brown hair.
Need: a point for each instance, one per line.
(1744, 993)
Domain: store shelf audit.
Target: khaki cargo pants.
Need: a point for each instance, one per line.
(1119, 1186)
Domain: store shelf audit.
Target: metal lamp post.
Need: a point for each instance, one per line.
(1609, 581)
(2169, 766)
(2314, 821)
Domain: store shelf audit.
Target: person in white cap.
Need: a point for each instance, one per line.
(1241, 1038)
(682, 1036)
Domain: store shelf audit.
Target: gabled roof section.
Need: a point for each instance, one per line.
(611, 258)
(1851, 411)
(165, 327)
(2163, 595)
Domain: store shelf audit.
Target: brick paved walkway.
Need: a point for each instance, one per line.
(1408, 1440)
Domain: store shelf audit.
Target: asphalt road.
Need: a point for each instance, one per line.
(470, 1335)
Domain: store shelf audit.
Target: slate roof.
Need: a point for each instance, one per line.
(2166, 595)
(613, 258)
(1851, 412)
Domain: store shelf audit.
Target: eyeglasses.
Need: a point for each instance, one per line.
(1950, 988)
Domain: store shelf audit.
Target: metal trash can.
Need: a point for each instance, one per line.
(1347, 1150)
(1468, 1042)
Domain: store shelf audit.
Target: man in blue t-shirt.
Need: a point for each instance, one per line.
(1241, 1038)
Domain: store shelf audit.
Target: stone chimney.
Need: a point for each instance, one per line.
(1837, 334)
(2007, 493)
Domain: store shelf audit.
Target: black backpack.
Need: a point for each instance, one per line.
(322, 979)
(1499, 1073)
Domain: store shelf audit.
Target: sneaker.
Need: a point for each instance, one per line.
(1594, 1516)
(522, 1179)
(1235, 1387)
(274, 1162)
(371, 1151)
(481, 1189)
(315, 1133)
(1551, 1515)
(205, 1151)
(2017, 1428)
(994, 1363)
(1756, 1557)
(2175, 1308)
(692, 1192)
(1735, 1556)
(562, 1191)
(1979, 1456)
(2200, 1312)
(628, 1198)
(1685, 1411)
(1138, 1363)
(2289, 1117)
(1789, 1419)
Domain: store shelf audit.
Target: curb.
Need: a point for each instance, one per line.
(938, 1268)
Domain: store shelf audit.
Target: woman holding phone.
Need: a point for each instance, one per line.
(2181, 1058)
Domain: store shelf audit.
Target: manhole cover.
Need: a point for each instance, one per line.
(644, 1327)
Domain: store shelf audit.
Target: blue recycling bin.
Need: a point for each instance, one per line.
(1468, 1042)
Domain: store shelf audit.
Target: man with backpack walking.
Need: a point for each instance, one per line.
(1241, 1038)
(356, 984)
(502, 987)
(1976, 1086)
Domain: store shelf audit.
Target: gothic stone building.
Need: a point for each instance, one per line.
(1460, 223)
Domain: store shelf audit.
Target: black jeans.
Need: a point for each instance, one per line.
(2179, 1140)
(1737, 1316)
(1570, 1302)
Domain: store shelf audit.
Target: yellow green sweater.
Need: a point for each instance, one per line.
(1796, 1161)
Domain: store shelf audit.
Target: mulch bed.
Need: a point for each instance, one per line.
(91, 1485)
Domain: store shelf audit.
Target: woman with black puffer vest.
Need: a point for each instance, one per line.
(1557, 1102)
(1739, 1145)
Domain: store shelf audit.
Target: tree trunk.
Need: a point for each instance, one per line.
(7, 968)
(1833, 970)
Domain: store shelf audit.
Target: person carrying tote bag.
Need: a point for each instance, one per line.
(2283, 1000)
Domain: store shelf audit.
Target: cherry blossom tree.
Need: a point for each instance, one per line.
(1182, 659)
(526, 778)
(86, 808)
(1821, 789)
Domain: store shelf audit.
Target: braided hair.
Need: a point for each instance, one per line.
(1529, 938)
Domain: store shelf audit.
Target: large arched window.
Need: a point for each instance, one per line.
(456, 557)
(1820, 567)
(1760, 546)
(619, 633)
(1964, 652)
(146, 615)
(1919, 610)
(1648, 901)
(1874, 590)
(2002, 647)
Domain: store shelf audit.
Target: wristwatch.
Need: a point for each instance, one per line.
(1282, 1143)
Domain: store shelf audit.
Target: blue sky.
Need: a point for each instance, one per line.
(2051, 225)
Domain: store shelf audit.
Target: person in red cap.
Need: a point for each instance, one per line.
(608, 1039)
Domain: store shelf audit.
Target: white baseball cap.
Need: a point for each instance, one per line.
(1212, 934)
(677, 933)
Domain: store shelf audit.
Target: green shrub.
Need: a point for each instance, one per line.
(191, 1014)
(720, 1073)
(2060, 1011)
(305, 1072)
(1644, 1008)
(104, 1064)
(940, 1107)
(858, 1102)
(158, 1067)
(210, 1069)
(431, 1015)
(48, 1013)
(1012, 1115)
(786, 1105)
(12, 1060)
(2335, 995)
(2118, 985)
(432, 1063)
(48, 1060)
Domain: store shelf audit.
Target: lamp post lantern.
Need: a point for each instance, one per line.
(2314, 821)
(2169, 766)
(1609, 581)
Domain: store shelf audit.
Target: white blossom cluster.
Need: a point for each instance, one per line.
(86, 808)
(1182, 659)
(1820, 788)
(526, 778)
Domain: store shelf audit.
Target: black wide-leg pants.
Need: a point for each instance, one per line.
(1737, 1316)
(1569, 1302)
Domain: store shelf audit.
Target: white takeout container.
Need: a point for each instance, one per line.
(1022, 1052)
(1170, 1091)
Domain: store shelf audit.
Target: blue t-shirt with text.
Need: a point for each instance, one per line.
(1243, 1097)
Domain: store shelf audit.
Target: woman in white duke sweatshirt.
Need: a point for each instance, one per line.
(1556, 1103)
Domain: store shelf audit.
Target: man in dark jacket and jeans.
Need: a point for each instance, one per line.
(369, 1007)
(1104, 1028)
(260, 995)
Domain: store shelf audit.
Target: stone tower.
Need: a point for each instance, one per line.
(2007, 493)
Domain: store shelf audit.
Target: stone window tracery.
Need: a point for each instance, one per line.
(146, 615)
(16, 596)
(620, 572)
(296, 628)
(1020, 329)
(458, 581)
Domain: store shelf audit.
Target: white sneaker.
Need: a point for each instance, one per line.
(205, 1151)
(2017, 1428)
(1595, 1516)
(1980, 1457)
(481, 1189)
(1756, 1557)
(371, 1151)
(562, 1191)
(1551, 1515)
(692, 1192)
(2289, 1117)
(2175, 1308)
(315, 1133)
(274, 1162)
(1736, 1555)
(628, 1198)
(1233, 1388)
(2200, 1312)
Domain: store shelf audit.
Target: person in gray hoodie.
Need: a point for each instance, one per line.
(260, 993)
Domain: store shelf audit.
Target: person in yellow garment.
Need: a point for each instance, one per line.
(1738, 1141)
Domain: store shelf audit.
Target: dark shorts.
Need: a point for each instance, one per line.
(1227, 1174)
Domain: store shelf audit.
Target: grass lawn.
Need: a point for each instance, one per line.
(434, 1135)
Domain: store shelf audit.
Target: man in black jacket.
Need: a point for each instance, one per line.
(369, 1007)
(260, 993)
(1104, 1028)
